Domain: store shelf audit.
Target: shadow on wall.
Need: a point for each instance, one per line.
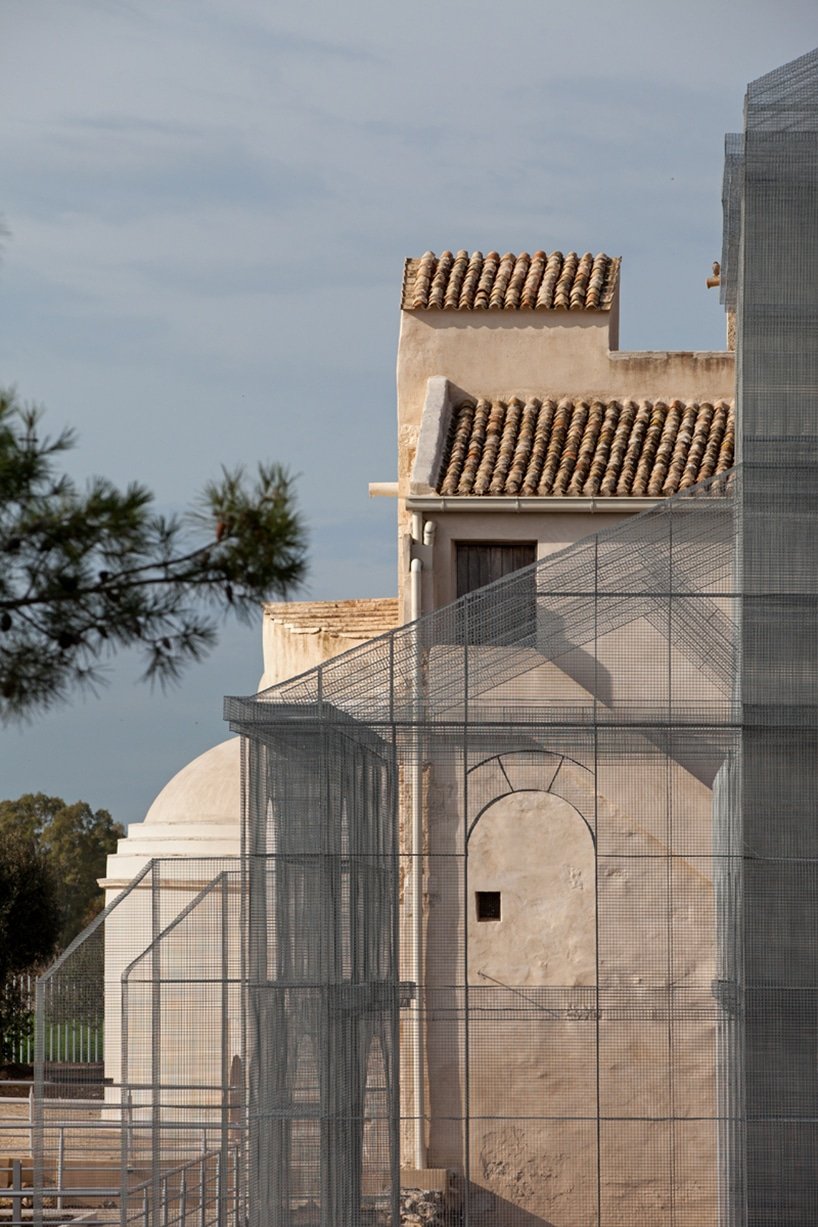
(492, 1208)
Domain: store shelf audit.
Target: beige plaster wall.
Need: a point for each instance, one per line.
(496, 354)
(539, 854)
(531, 352)
(300, 635)
(533, 1065)
(551, 531)
(190, 960)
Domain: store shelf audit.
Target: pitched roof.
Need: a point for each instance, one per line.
(542, 282)
(576, 447)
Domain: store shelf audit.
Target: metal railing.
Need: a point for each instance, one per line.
(197, 1193)
(79, 1041)
(201, 1190)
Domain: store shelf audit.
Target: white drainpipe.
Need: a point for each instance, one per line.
(418, 1086)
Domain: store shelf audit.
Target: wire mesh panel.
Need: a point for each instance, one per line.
(528, 889)
(182, 1054)
(562, 738)
(139, 1077)
(608, 919)
(321, 962)
(778, 376)
(76, 1121)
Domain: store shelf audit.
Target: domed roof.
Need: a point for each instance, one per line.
(208, 789)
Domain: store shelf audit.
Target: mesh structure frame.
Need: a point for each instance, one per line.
(659, 681)
(139, 1105)
(589, 703)
(590, 990)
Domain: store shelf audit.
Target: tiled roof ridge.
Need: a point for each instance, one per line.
(463, 281)
(572, 446)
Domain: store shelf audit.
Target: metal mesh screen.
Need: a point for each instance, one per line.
(562, 736)
(138, 1112)
(778, 378)
(609, 925)
(321, 868)
(528, 888)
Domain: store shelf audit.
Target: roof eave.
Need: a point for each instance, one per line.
(529, 503)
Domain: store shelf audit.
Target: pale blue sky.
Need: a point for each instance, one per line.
(209, 202)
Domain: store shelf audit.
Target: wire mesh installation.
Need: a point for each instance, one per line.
(610, 959)
(563, 734)
(146, 1126)
(778, 378)
(529, 888)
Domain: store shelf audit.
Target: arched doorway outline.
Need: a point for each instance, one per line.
(550, 790)
(591, 798)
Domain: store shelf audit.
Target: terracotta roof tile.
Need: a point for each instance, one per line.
(573, 447)
(462, 282)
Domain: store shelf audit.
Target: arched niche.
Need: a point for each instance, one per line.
(535, 853)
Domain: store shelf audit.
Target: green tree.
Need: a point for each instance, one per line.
(29, 928)
(84, 572)
(74, 841)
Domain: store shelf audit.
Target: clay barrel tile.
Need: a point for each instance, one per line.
(681, 450)
(508, 444)
(619, 446)
(581, 279)
(471, 281)
(458, 273)
(511, 283)
(596, 281)
(652, 436)
(491, 447)
(437, 290)
(460, 435)
(611, 276)
(602, 451)
(570, 452)
(423, 279)
(664, 448)
(728, 443)
(562, 290)
(553, 268)
(474, 448)
(516, 282)
(505, 268)
(525, 443)
(528, 297)
(713, 445)
(559, 429)
(483, 293)
(587, 447)
(542, 422)
(698, 442)
(630, 461)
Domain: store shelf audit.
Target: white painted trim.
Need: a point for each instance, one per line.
(527, 503)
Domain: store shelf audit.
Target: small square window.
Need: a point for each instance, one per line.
(488, 904)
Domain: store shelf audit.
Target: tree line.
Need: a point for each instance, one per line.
(51, 855)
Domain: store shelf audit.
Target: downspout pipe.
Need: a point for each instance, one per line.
(418, 1085)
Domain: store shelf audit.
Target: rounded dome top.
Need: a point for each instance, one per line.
(208, 789)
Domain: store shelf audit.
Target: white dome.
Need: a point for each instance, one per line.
(197, 814)
(206, 790)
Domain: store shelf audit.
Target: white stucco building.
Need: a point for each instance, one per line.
(522, 428)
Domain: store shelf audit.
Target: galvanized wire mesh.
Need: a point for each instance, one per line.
(146, 1124)
(560, 733)
(612, 755)
(778, 378)
(528, 888)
